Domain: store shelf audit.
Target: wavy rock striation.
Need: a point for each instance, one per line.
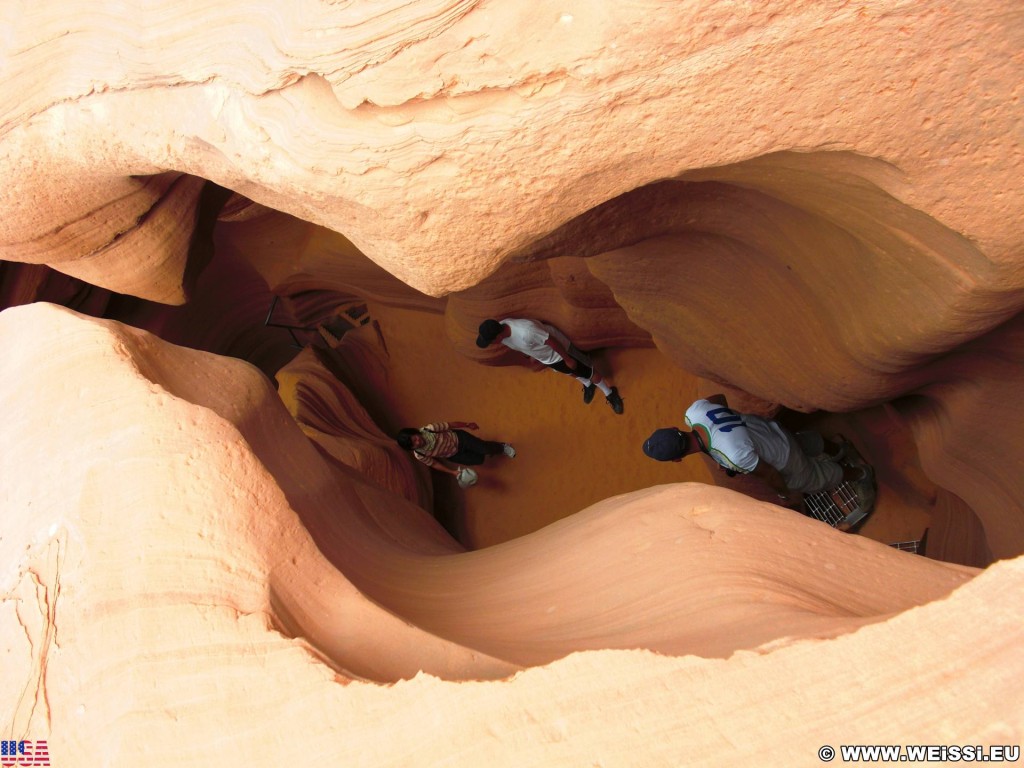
(817, 207)
(300, 573)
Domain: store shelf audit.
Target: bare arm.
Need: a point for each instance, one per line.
(463, 425)
(435, 463)
(718, 399)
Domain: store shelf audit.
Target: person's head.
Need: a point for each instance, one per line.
(409, 438)
(668, 444)
(489, 330)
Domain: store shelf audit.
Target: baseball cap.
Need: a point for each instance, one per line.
(489, 330)
(666, 444)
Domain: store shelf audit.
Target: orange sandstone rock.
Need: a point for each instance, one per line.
(818, 207)
(239, 571)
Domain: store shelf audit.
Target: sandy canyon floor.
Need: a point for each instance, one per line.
(572, 455)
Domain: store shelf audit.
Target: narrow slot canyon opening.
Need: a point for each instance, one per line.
(355, 355)
(726, 274)
(243, 245)
(721, 283)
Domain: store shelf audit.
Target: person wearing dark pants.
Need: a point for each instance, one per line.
(742, 443)
(549, 346)
(443, 441)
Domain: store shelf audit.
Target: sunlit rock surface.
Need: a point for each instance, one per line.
(815, 207)
(238, 563)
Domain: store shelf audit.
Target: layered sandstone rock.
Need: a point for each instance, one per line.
(237, 564)
(816, 206)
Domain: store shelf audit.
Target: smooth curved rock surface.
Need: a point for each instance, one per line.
(818, 207)
(327, 111)
(291, 575)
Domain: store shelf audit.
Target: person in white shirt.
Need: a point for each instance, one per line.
(549, 346)
(743, 443)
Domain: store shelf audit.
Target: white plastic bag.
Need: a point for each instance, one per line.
(466, 477)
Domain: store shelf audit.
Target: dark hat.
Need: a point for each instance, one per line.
(489, 330)
(666, 444)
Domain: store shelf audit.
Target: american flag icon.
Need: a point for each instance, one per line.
(21, 754)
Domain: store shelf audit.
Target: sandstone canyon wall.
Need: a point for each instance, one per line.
(815, 206)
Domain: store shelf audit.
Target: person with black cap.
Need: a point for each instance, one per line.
(747, 444)
(549, 346)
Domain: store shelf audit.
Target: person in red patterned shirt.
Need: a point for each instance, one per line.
(450, 442)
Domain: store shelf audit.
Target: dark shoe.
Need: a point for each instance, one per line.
(859, 472)
(614, 400)
(845, 449)
(588, 393)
